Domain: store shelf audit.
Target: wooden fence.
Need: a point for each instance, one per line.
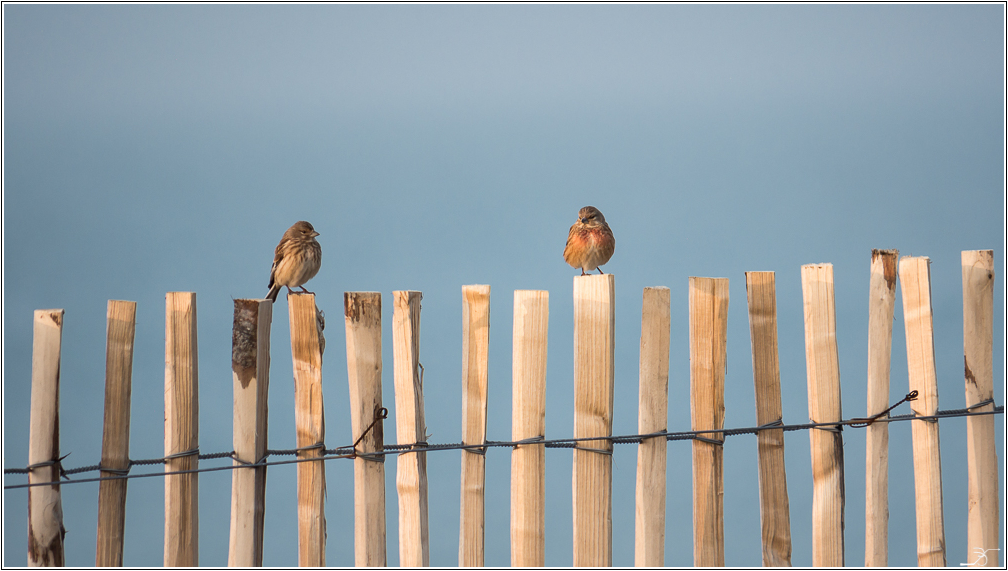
(594, 318)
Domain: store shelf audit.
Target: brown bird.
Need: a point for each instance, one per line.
(590, 242)
(297, 259)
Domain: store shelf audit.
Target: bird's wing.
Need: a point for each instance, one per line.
(277, 256)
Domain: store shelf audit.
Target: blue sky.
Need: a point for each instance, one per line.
(162, 148)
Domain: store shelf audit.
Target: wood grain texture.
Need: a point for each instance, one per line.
(594, 344)
(475, 346)
(45, 505)
(915, 285)
(708, 322)
(309, 420)
(528, 420)
(823, 372)
(181, 547)
(120, 332)
(362, 314)
(649, 514)
(775, 511)
(411, 467)
(981, 456)
(250, 361)
(881, 304)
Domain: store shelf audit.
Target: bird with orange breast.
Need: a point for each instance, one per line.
(296, 260)
(590, 242)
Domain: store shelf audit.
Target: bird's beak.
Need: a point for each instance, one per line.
(315, 234)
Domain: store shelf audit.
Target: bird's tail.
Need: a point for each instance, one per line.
(272, 295)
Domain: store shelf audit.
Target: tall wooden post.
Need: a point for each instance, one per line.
(250, 360)
(362, 311)
(649, 518)
(881, 303)
(181, 547)
(708, 326)
(594, 334)
(411, 467)
(528, 422)
(120, 334)
(775, 512)
(823, 371)
(915, 283)
(309, 418)
(475, 344)
(981, 456)
(45, 507)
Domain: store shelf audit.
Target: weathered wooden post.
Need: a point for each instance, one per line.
(250, 360)
(775, 513)
(45, 507)
(915, 284)
(649, 515)
(708, 323)
(309, 418)
(978, 347)
(528, 422)
(594, 335)
(362, 312)
(881, 303)
(411, 467)
(475, 344)
(181, 547)
(120, 334)
(826, 443)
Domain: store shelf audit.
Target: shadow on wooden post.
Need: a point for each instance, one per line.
(120, 334)
(45, 506)
(250, 361)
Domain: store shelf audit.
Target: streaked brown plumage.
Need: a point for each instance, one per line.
(590, 242)
(297, 259)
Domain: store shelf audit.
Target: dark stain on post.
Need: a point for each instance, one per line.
(362, 307)
(57, 317)
(888, 266)
(244, 339)
(969, 374)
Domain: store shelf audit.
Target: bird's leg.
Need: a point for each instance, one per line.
(582, 272)
(600, 271)
(303, 290)
(288, 291)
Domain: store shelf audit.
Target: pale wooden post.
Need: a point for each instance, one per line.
(881, 303)
(915, 284)
(649, 518)
(250, 359)
(362, 311)
(411, 467)
(981, 456)
(775, 512)
(528, 422)
(708, 322)
(45, 507)
(823, 373)
(475, 344)
(309, 419)
(181, 547)
(594, 334)
(120, 333)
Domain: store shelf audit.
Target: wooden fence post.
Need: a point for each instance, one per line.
(881, 303)
(181, 547)
(594, 333)
(708, 322)
(528, 422)
(775, 512)
(411, 467)
(309, 418)
(978, 348)
(915, 283)
(649, 536)
(120, 334)
(362, 312)
(475, 344)
(45, 507)
(823, 372)
(250, 360)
